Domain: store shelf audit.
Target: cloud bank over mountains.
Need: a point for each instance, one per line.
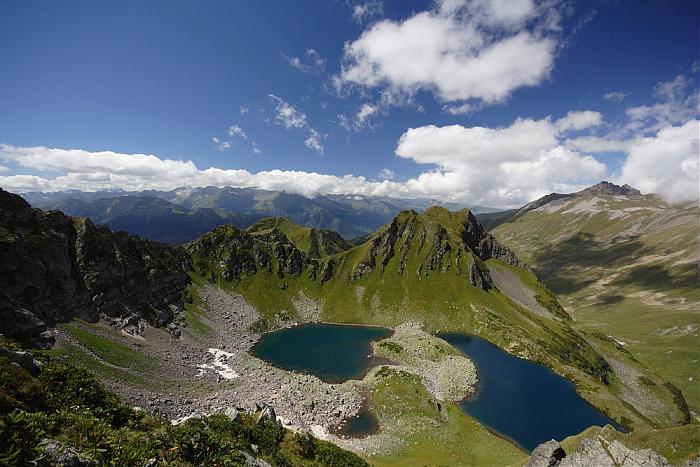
(502, 167)
(465, 55)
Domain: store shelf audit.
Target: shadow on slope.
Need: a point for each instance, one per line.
(560, 266)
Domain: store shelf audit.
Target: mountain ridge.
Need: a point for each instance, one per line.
(350, 215)
(494, 219)
(55, 268)
(624, 265)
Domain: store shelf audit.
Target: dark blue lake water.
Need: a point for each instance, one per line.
(523, 401)
(334, 353)
(360, 426)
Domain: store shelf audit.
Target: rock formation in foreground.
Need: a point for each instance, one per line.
(599, 452)
(54, 268)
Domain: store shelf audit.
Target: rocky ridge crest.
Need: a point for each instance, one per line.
(54, 268)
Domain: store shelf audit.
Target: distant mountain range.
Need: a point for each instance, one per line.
(183, 214)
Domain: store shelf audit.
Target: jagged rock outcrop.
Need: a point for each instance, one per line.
(236, 254)
(316, 243)
(54, 268)
(22, 358)
(267, 414)
(326, 243)
(55, 452)
(446, 242)
(381, 245)
(546, 455)
(598, 452)
(484, 244)
(607, 188)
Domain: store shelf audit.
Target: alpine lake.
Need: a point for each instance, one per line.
(517, 399)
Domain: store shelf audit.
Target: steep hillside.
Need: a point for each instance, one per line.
(54, 268)
(623, 264)
(440, 269)
(312, 241)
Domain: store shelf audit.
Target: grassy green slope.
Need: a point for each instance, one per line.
(626, 267)
(432, 434)
(419, 268)
(312, 241)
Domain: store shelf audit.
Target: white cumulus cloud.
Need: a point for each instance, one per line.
(312, 61)
(362, 12)
(496, 165)
(236, 131)
(361, 119)
(313, 141)
(677, 102)
(286, 114)
(614, 96)
(290, 117)
(387, 174)
(480, 50)
(578, 120)
(666, 163)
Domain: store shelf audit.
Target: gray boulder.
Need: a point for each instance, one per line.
(598, 452)
(252, 461)
(232, 413)
(61, 454)
(22, 358)
(267, 414)
(546, 455)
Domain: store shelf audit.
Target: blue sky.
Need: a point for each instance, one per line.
(86, 87)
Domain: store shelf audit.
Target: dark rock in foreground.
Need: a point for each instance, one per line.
(598, 452)
(54, 268)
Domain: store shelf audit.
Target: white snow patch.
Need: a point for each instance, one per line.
(181, 420)
(678, 330)
(219, 364)
(320, 432)
(621, 343)
(589, 205)
(553, 206)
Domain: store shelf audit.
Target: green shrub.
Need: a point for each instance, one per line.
(391, 346)
(18, 390)
(78, 410)
(267, 436)
(19, 438)
(306, 445)
(332, 456)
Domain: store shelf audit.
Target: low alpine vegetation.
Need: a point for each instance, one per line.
(68, 407)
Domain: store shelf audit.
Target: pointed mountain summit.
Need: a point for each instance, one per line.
(607, 188)
(603, 189)
(313, 241)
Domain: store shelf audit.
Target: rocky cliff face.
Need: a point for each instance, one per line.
(607, 188)
(437, 241)
(326, 243)
(315, 242)
(445, 241)
(235, 254)
(601, 452)
(54, 268)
